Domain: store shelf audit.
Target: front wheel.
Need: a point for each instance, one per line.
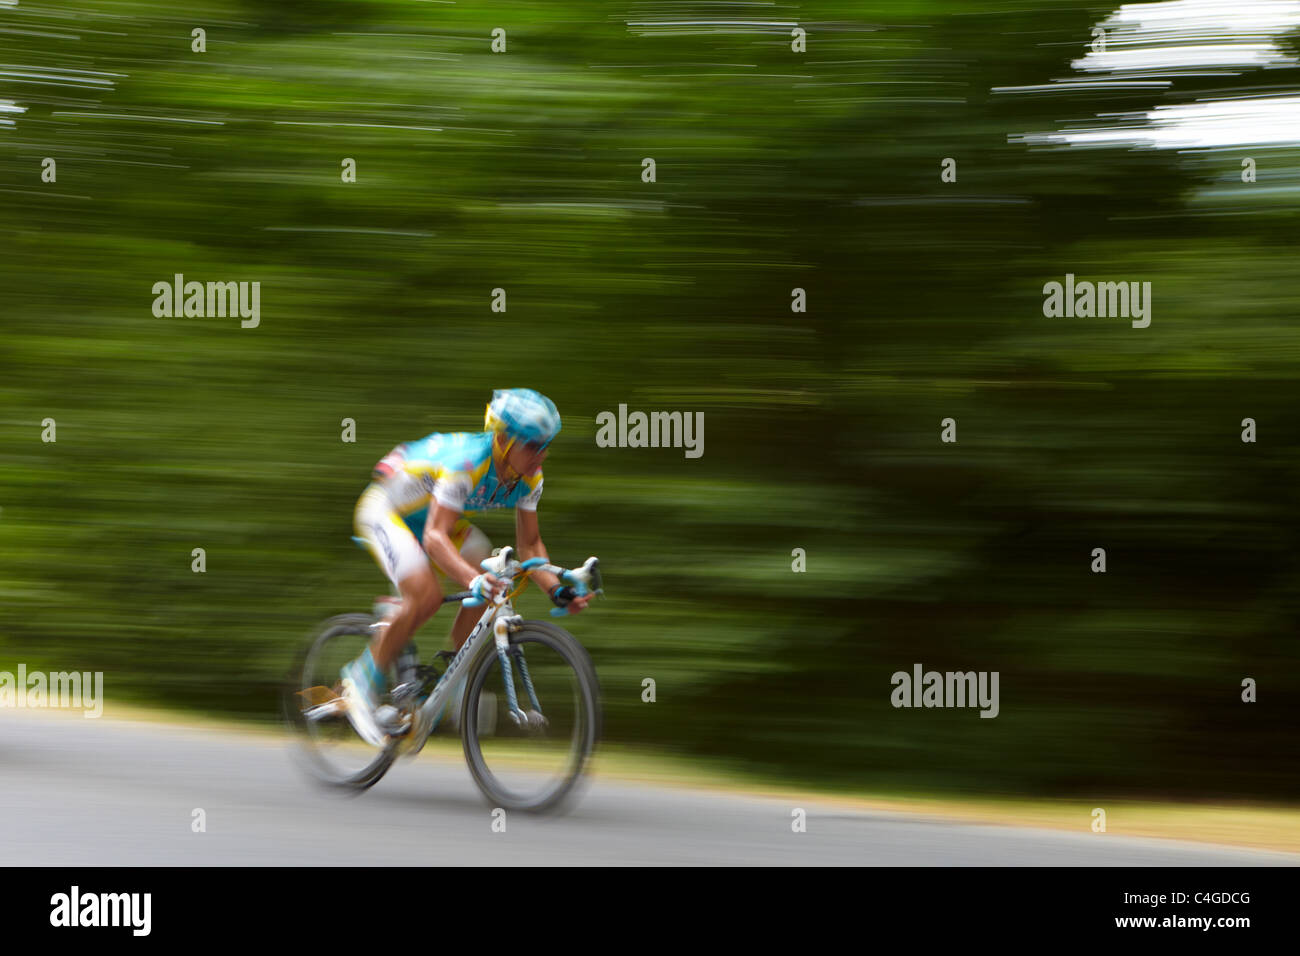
(537, 763)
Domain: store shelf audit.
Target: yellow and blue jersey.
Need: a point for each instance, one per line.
(458, 471)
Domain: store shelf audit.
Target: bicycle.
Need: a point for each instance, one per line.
(557, 670)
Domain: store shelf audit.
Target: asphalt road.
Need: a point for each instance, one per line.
(107, 792)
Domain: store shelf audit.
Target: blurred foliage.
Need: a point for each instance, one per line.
(774, 170)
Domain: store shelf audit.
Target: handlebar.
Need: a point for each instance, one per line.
(584, 580)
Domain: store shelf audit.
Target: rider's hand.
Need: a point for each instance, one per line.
(577, 604)
(562, 596)
(490, 585)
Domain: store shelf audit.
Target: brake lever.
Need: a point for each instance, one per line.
(585, 580)
(499, 566)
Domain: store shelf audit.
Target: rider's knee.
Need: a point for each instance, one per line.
(420, 593)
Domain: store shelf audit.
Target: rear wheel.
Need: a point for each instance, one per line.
(330, 749)
(535, 765)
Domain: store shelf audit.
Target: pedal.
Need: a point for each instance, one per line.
(403, 694)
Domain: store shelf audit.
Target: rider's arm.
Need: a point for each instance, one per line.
(446, 505)
(528, 539)
(438, 545)
(390, 464)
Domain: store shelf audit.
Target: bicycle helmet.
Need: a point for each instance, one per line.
(523, 414)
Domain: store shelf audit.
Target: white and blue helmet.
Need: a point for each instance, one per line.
(522, 414)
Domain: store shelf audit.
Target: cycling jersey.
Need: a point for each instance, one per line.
(458, 470)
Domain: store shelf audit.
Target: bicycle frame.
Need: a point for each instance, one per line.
(500, 616)
(500, 619)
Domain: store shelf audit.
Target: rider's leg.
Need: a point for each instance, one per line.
(395, 547)
(421, 598)
(466, 618)
(474, 548)
(404, 561)
(398, 553)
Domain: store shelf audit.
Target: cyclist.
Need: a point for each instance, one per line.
(412, 518)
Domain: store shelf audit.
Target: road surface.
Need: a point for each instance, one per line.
(123, 793)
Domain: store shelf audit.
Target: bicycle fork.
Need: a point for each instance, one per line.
(531, 719)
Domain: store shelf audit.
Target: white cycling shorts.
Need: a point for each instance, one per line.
(396, 549)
